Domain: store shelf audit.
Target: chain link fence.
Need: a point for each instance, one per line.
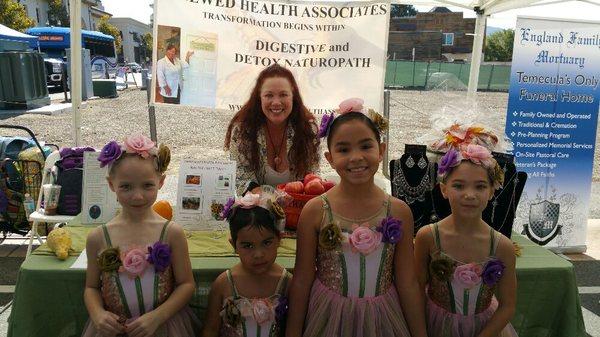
(418, 74)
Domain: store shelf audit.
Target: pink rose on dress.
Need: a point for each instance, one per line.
(351, 104)
(477, 154)
(139, 144)
(249, 200)
(468, 275)
(364, 240)
(134, 262)
(262, 311)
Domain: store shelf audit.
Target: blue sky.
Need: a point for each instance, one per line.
(140, 10)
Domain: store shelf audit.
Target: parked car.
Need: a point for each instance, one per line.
(54, 71)
(133, 67)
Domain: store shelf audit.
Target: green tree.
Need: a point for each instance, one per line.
(14, 16)
(399, 11)
(57, 14)
(105, 27)
(147, 43)
(499, 45)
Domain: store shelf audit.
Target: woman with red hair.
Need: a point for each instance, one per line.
(273, 138)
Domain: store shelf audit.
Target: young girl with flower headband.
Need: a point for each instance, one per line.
(461, 261)
(250, 299)
(354, 271)
(139, 276)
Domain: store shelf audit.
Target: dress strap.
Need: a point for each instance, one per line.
(106, 236)
(327, 207)
(230, 279)
(283, 282)
(494, 240)
(436, 236)
(388, 203)
(163, 232)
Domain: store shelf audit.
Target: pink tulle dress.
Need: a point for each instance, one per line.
(459, 309)
(130, 298)
(353, 293)
(256, 317)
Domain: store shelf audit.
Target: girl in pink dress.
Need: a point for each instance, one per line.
(139, 276)
(461, 261)
(250, 299)
(354, 263)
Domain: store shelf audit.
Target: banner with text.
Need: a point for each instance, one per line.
(208, 53)
(551, 119)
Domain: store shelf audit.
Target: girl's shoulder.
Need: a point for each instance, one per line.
(101, 233)
(425, 233)
(221, 284)
(95, 239)
(399, 207)
(425, 238)
(174, 228)
(174, 235)
(506, 249)
(314, 207)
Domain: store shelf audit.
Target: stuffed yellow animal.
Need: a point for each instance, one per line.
(59, 241)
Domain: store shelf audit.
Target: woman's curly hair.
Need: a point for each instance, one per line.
(303, 153)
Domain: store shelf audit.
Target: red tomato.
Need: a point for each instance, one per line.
(294, 187)
(314, 187)
(328, 185)
(309, 177)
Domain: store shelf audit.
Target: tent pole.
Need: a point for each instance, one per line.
(480, 23)
(76, 71)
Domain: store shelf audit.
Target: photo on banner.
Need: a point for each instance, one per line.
(167, 46)
(216, 50)
(552, 120)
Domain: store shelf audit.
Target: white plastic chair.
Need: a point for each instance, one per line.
(38, 217)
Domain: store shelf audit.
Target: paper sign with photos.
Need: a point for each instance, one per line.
(99, 203)
(203, 188)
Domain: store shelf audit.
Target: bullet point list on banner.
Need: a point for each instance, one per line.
(552, 119)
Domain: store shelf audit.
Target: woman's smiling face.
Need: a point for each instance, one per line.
(276, 99)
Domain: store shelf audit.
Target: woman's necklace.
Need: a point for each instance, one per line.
(277, 151)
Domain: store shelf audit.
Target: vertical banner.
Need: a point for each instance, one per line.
(552, 117)
(208, 53)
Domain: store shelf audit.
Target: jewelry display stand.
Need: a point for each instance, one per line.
(414, 180)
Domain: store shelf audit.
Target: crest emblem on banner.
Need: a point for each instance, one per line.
(543, 222)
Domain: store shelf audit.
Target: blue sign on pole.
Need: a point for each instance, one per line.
(551, 119)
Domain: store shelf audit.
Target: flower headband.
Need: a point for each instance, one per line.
(136, 144)
(458, 135)
(273, 202)
(477, 154)
(350, 105)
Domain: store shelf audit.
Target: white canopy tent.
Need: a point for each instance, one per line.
(483, 9)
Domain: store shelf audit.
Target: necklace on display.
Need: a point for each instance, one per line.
(405, 190)
(277, 151)
(514, 180)
(431, 171)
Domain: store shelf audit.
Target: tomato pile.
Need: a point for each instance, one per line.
(312, 184)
